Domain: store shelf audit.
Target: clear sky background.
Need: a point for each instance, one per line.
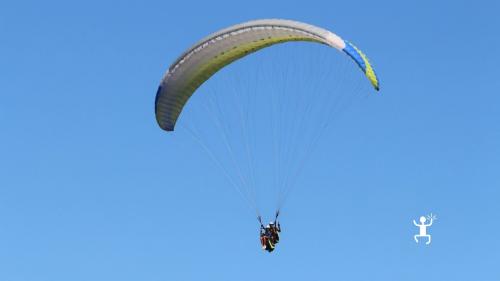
(92, 189)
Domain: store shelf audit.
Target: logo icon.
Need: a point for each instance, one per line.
(423, 227)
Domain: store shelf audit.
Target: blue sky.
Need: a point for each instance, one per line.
(92, 189)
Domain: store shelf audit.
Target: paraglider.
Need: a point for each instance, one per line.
(220, 49)
(270, 234)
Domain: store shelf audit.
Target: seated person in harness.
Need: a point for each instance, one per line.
(269, 235)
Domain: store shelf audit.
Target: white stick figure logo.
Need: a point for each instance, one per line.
(423, 227)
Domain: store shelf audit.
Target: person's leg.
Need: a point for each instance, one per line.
(429, 241)
(270, 244)
(415, 237)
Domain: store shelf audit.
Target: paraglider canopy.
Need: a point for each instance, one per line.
(197, 64)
